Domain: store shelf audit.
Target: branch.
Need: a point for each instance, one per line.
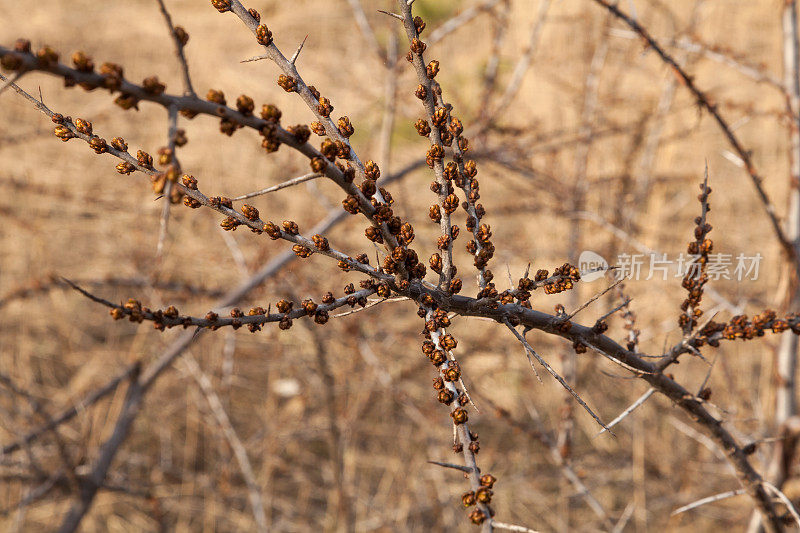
(466, 440)
(239, 451)
(452, 24)
(293, 82)
(66, 415)
(257, 317)
(630, 409)
(288, 183)
(48, 284)
(709, 499)
(587, 336)
(426, 92)
(191, 105)
(179, 37)
(96, 478)
(555, 374)
(304, 246)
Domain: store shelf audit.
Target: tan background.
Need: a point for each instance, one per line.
(65, 211)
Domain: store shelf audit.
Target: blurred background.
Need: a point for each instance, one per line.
(594, 145)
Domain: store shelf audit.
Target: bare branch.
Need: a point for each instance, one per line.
(709, 499)
(555, 374)
(233, 439)
(92, 483)
(366, 29)
(511, 527)
(630, 409)
(179, 36)
(454, 23)
(283, 185)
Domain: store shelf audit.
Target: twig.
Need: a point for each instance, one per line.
(709, 499)
(511, 527)
(456, 22)
(372, 303)
(109, 449)
(786, 501)
(555, 374)
(283, 185)
(594, 299)
(366, 29)
(164, 224)
(461, 430)
(624, 304)
(239, 451)
(429, 104)
(524, 61)
(630, 409)
(393, 15)
(10, 81)
(215, 322)
(179, 44)
(47, 285)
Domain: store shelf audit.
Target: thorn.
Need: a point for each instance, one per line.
(294, 57)
(409, 2)
(466, 469)
(41, 98)
(395, 15)
(254, 58)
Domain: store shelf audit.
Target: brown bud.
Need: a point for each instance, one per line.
(263, 35)
(345, 128)
(459, 416)
(221, 5)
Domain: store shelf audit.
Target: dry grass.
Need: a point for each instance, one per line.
(65, 211)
